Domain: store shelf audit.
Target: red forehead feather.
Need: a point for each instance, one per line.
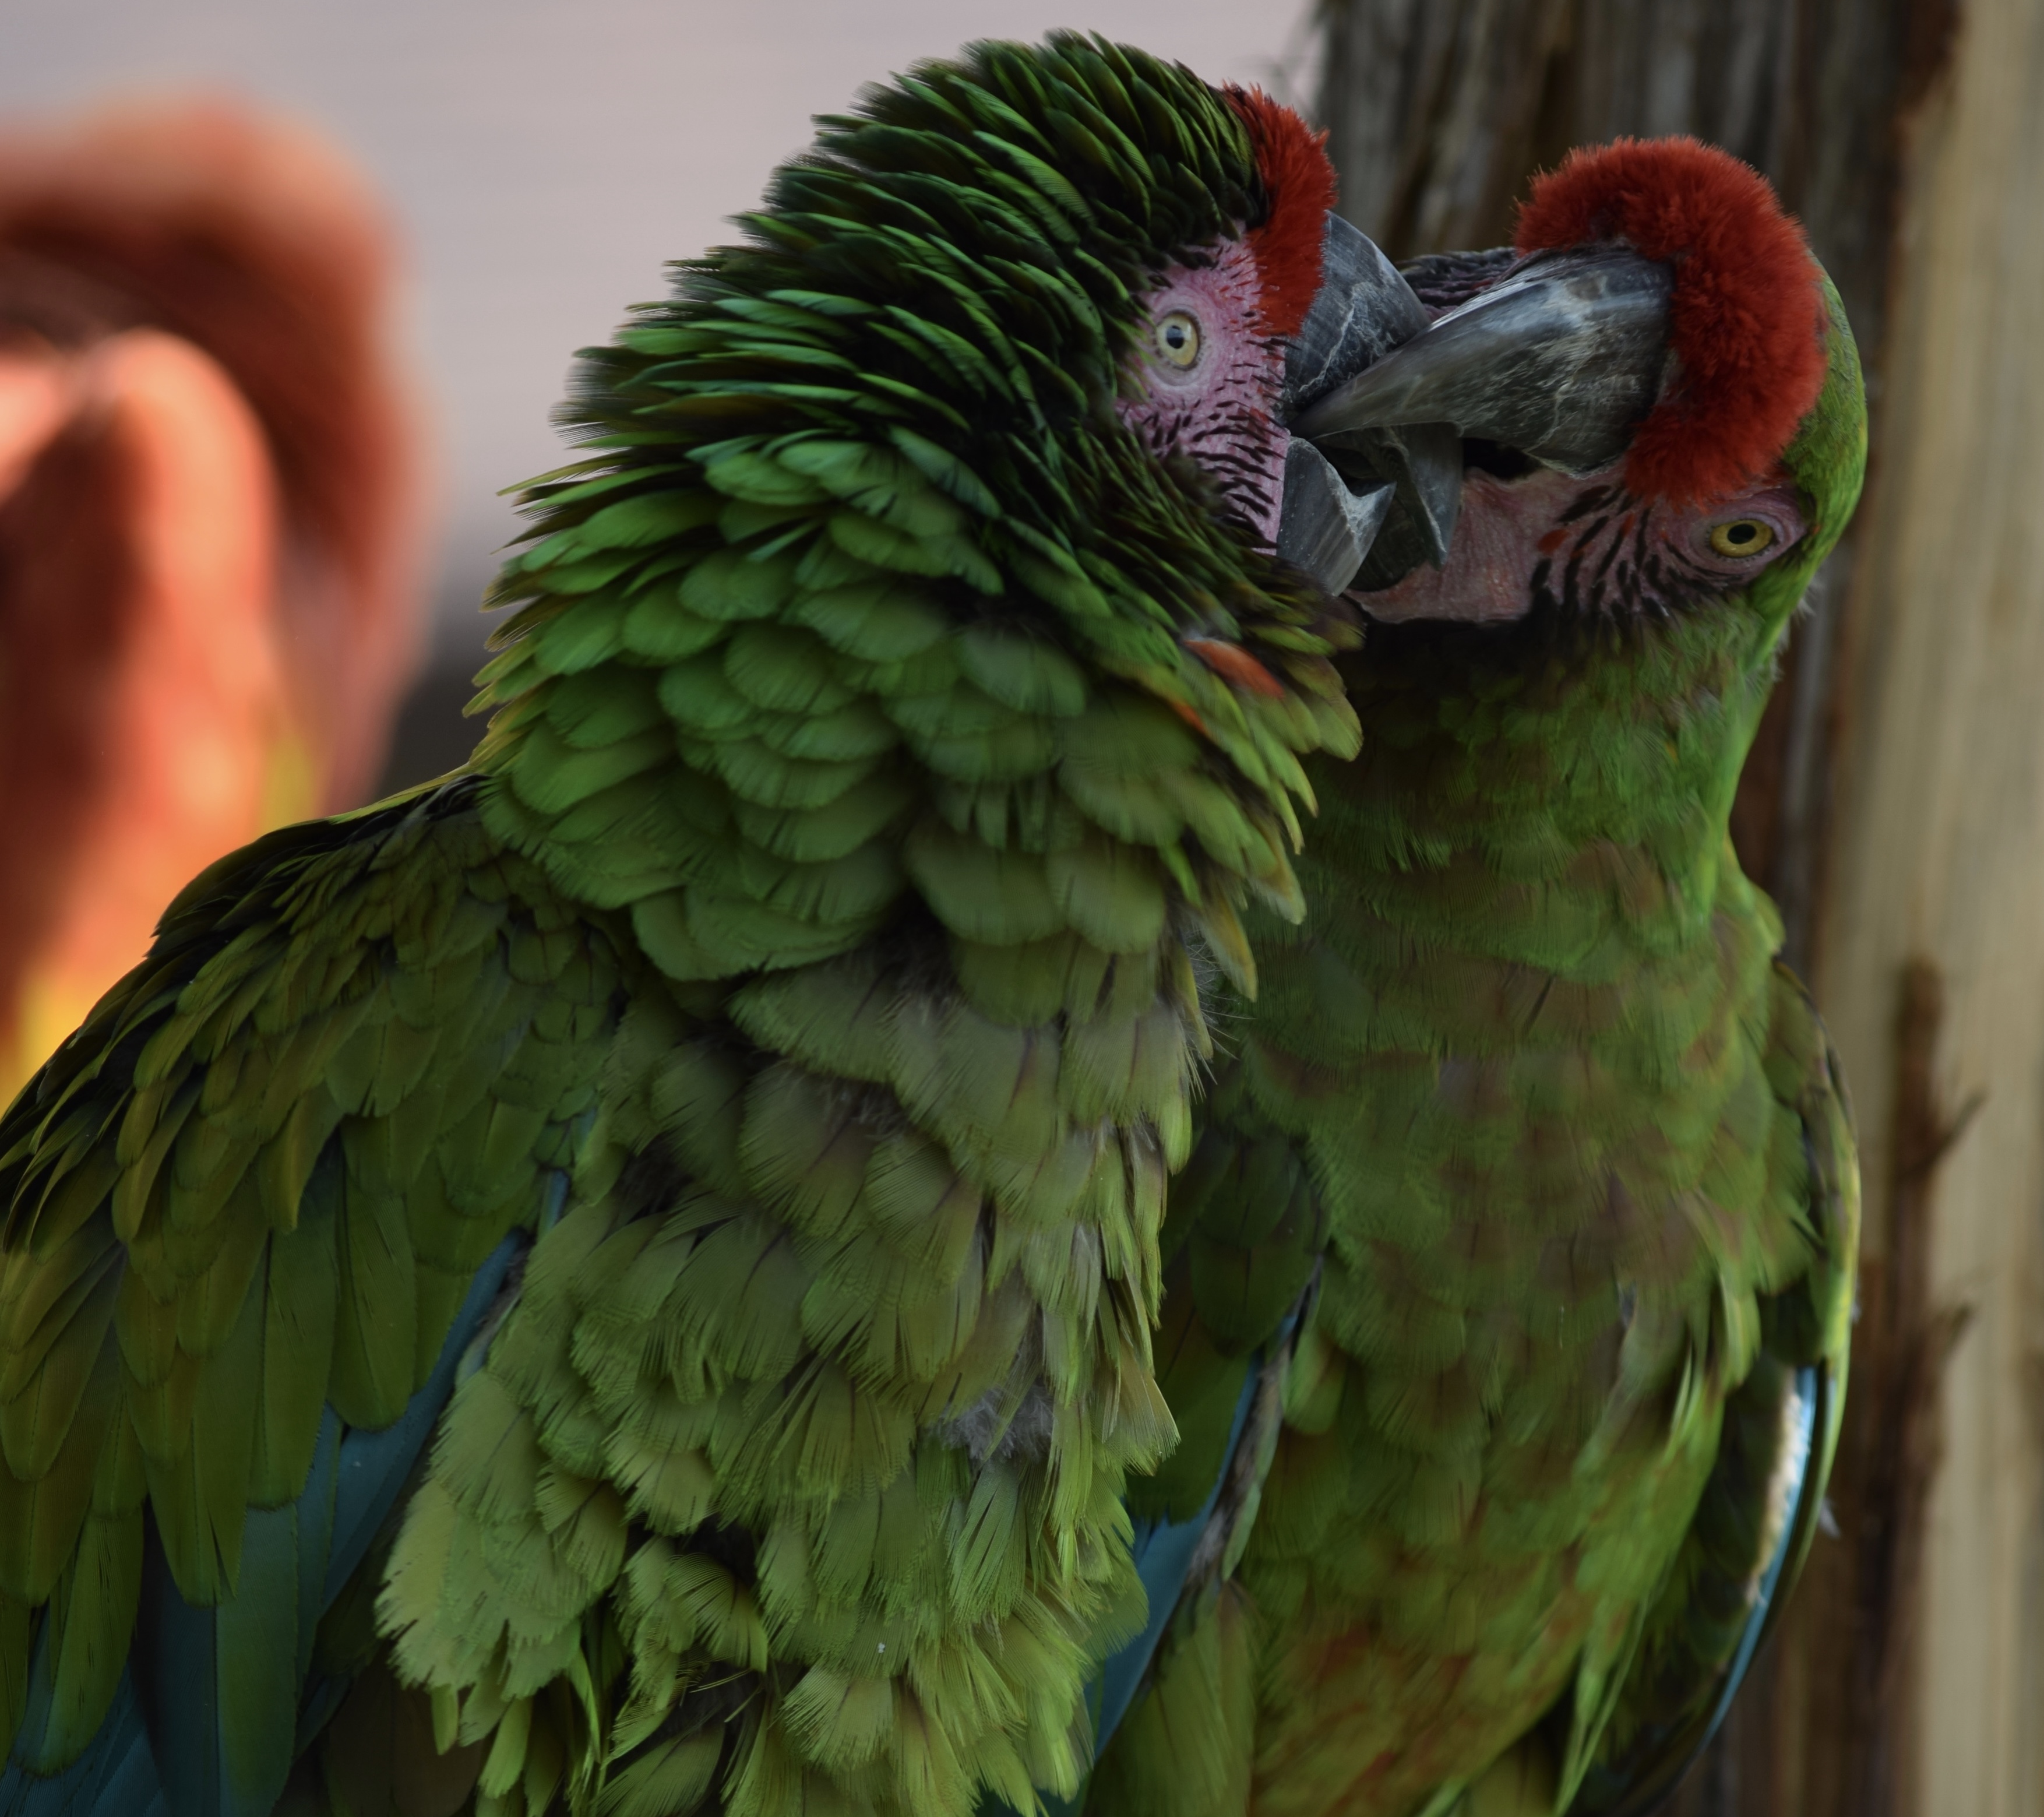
(1747, 317)
(1292, 162)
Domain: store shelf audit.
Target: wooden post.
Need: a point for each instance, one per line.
(1938, 856)
(1894, 804)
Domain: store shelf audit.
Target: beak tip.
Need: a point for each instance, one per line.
(1326, 527)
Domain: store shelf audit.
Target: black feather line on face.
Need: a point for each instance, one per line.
(1596, 499)
(1617, 569)
(1234, 446)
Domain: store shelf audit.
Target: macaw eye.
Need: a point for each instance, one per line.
(1178, 339)
(1742, 536)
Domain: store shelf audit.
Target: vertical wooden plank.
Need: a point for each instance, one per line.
(1430, 107)
(1939, 855)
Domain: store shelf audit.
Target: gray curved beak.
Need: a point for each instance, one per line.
(1335, 509)
(1559, 360)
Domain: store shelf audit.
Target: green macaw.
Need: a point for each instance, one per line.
(623, 1280)
(1508, 1290)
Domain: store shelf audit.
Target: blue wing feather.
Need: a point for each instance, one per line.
(1803, 1437)
(114, 1777)
(163, 1750)
(1163, 1552)
(1163, 1555)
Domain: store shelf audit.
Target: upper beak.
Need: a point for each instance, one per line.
(1559, 360)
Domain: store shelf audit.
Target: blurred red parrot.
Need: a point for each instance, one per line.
(209, 523)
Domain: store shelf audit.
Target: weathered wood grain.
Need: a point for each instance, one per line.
(1938, 851)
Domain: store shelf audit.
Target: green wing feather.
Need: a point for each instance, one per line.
(1751, 1509)
(256, 1184)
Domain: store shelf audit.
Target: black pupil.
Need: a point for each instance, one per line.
(1174, 336)
(1743, 533)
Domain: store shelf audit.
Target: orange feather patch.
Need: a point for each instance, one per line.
(1233, 663)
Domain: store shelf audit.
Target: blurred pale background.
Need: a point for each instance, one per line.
(543, 159)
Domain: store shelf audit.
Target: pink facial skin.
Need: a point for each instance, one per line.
(1218, 410)
(1586, 546)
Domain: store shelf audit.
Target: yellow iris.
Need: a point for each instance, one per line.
(1742, 536)
(1178, 339)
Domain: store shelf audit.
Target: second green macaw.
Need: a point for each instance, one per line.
(1507, 1289)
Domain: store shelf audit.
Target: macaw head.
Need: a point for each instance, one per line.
(1649, 402)
(1608, 463)
(984, 418)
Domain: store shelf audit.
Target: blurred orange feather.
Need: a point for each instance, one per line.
(210, 486)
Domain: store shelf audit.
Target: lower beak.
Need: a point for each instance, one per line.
(1560, 359)
(1337, 501)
